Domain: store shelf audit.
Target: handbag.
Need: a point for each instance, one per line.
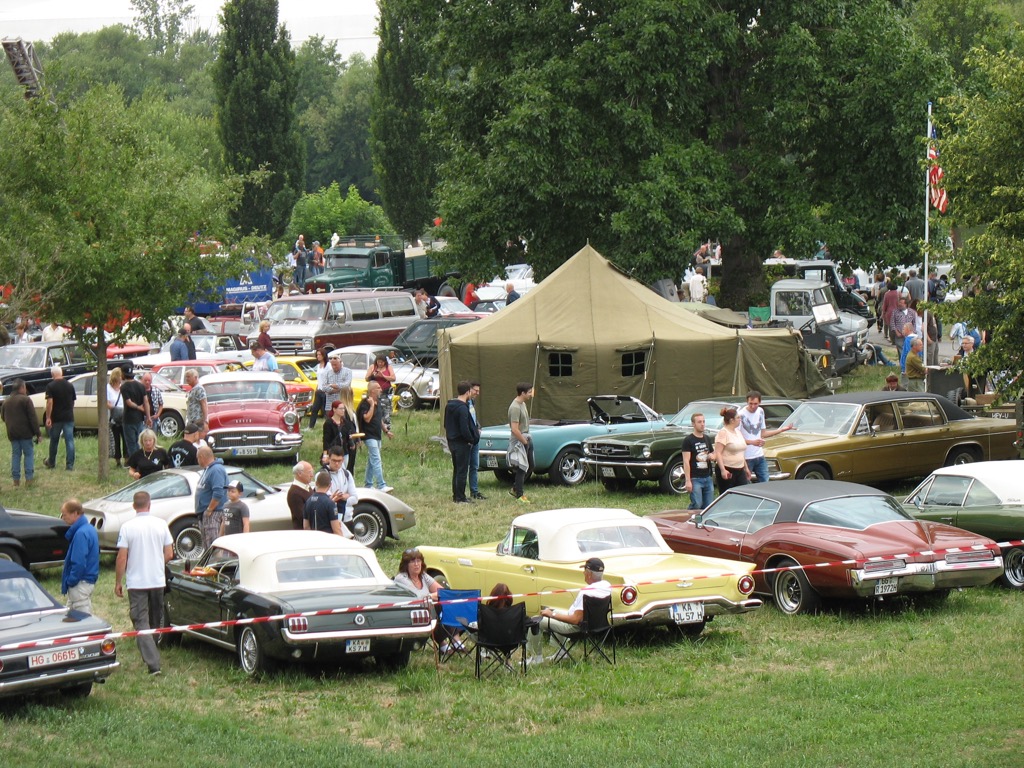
(117, 413)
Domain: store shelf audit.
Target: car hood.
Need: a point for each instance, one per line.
(255, 414)
(671, 432)
(796, 439)
(49, 624)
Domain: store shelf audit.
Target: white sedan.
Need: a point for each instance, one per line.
(208, 346)
(172, 491)
(415, 385)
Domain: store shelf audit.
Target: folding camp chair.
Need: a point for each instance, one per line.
(458, 609)
(595, 632)
(500, 633)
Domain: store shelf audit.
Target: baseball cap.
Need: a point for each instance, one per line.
(236, 484)
(191, 428)
(594, 565)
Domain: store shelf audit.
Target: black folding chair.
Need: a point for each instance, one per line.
(500, 632)
(595, 633)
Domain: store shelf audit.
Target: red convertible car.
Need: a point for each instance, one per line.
(806, 522)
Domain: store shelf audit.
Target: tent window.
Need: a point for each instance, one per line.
(559, 364)
(634, 363)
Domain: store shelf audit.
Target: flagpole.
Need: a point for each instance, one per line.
(927, 205)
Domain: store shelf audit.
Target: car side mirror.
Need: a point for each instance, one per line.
(698, 520)
(500, 549)
(917, 502)
(260, 495)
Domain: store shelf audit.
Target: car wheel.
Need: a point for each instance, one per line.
(956, 396)
(408, 400)
(1013, 565)
(567, 468)
(962, 455)
(251, 657)
(439, 577)
(393, 662)
(188, 538)
(791, 591)
(80, 691)
(6, 553)
(369, 527)
(814, 472)
(170, 425)
(674, 479)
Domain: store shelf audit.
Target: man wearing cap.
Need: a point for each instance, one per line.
(567, 622)
(236, 511)
(264, 361)
(183, 453)
(892, 384)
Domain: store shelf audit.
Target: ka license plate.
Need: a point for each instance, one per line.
(688, 613)
(48, 659)
(248, 450)
(886, 586)
(607, 471)
(362, 645)
(491, 461)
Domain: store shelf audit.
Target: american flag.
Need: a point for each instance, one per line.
(936, 193)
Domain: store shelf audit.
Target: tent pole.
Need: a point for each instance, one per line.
(536, 362)
(736, 367)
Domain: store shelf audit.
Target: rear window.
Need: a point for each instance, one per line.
(615, 537)
(397, 306)
(323, 568)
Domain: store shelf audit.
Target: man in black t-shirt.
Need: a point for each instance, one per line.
(321, 513)
(183, 453)
(60, 417)
(698, 453)
(136, 412)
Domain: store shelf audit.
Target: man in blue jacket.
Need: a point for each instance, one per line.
(462, 435)
(211, 494)
(82, 562)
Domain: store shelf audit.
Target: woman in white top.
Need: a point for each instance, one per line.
(319, 407)
(115, 404)
(730, 447)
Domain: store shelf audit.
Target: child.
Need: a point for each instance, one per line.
(236, 511)
(321, 512)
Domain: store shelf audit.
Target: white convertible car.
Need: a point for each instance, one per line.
(377, 515)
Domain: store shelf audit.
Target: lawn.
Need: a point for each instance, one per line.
(905, 682)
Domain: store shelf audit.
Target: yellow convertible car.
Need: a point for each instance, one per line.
(651, 585)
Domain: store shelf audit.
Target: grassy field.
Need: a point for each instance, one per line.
(905, 682)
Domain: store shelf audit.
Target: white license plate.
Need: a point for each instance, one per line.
(250, 450)
(607, 471)
(886, 586)
(688, 613)
(48, 659)
(358, 646)
(490, 461)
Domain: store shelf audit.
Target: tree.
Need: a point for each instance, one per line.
(163, 22)
(103, 200)
(981, 158)
(256, 89)
(647, 126)
(320, 214)
(404, 156)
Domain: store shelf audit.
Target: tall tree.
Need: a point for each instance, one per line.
(163, 22)
(256, 89)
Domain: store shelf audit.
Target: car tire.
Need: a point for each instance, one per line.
(792, 592)
(251, 656)
(80, 691)
(962, 455)
(369, 525)
(673, 480)
(956, 396)
(393, 662)
(11, 555)
(187, 537)
(170, 425)
(813, 472)
(1013, 568)
(567, 468)
(407, 399)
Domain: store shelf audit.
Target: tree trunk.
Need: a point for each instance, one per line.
(104, 413)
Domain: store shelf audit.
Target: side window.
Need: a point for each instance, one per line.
(56, 356)
(77, 354)
(524, 543)
(364, 309)
(791, 303)
(634, 363)
(338, 311)
(225, 344)
(947, 491)
(559, 364)
(397, 306)
(733, 512)
(916, 414)
(881, 417)
(774, 415)
(979, 496)
(380, 259)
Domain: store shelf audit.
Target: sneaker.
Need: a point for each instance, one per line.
(463, 501)
(478, 496)
(47, 463)
(523, 500)
(387, 489)
(155, 673)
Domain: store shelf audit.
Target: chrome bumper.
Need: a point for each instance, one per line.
(659, 611)
(303, 638)
(46, 681)
(927, 577)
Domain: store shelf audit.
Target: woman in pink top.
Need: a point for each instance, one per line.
(730, 447)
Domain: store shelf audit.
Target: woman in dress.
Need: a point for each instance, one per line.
(115, 403)
(319, 407)
(730, 447)
(149, 458)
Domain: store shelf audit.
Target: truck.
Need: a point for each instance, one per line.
(373, 261)
(847, 299)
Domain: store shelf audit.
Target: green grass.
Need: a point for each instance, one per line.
(908, 682)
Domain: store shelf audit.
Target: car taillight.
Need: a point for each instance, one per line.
(107, 648)
(420, 617)
(298, 624)
(628, 595)
(745, 585)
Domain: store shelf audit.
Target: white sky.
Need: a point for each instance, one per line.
(350, 23)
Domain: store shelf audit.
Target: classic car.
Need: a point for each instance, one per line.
(32, 362)
(873, 436)
(807, 523)
(250, 416)
(415, 386)
(418, 342)
(558, 446)
(176, 371)
(986, 498)
(377, 515)
(32, 540)
(621, 460)
(545, 551)
(294, 372)
(220, 346)
(87, 416)
(30, 614)
(252, 575)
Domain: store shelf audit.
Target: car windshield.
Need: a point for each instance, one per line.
(21, 356)
(821, 418)
(619, 410)
(612, 537)
(323, 568)
(712, 418)
(250, 485)
(285, 311)
(348, 261)
(240, 389)
(164, 384)
(159, 485)
(418, 333)
(22, 594)
(854, 512)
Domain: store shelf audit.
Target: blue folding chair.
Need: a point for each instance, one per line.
(458, 609)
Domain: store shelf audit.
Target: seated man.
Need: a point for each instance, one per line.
(567, 622)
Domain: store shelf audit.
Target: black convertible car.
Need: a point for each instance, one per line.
(32, 540)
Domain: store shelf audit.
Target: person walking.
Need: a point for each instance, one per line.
(82, 561)
(520, 446)
(60, 418)
(730, 448)
(19, 416)
(144, 546)
(462, 435)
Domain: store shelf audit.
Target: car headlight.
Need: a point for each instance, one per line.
(211, 441)
(307, 345)
(646, 452)
(586, 449)
(291, 418)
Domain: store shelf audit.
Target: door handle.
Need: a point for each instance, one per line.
(947, 520)
(528, 569)
(734, 541)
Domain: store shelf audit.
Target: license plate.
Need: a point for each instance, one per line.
(607, 472)
(48, 659)
(491, 461)
(688, 613)
(361, 645)
(886, 586)
(249, 450)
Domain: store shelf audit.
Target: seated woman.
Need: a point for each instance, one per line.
(501, 597)
(149, 458)
(413, 576)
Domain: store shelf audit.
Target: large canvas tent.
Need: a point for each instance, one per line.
(589, 329)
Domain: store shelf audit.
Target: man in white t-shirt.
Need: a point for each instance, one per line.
(144, 546)
(752, 427)
(698, 285)
(567, 622)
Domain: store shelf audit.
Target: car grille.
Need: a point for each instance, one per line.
(248, 439)
(288, 346)
(606, 450)
(302, 398)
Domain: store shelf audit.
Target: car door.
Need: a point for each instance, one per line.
(926, 434)
(79, 360)
(202, 599)
(876, 448)
(517, 564)
(720, 530)
(87, 413)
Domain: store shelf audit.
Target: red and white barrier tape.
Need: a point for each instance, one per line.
(421, 601)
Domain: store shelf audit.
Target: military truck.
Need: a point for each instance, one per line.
(847, 299)
(373, 261)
